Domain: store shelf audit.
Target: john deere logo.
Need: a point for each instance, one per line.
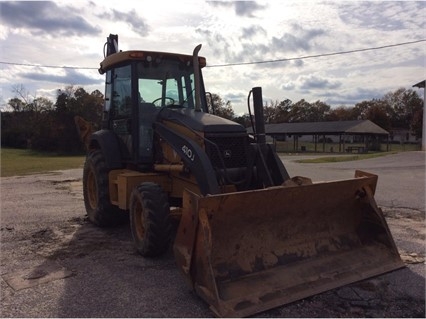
(227, 153)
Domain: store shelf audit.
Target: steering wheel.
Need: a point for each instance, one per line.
(169, 99)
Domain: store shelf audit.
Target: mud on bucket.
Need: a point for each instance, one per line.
(247, 252)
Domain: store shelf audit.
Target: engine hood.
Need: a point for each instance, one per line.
(200, 121)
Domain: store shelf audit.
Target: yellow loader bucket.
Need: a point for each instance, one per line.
(251, 251)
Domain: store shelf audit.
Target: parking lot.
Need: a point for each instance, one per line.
(54, 263)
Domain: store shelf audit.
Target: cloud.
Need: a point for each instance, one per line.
(131, 18)
(300, 38)
(223, 4)
(246, 8)
(317, 82)
(353, 96)
(252, 31)
(67, 33)
(40, 17)
(298, 63)
(288, 86)
(71, 76)
(218, 43)
(227, 49)
(242, 8)
(388, 15)
(233, 97)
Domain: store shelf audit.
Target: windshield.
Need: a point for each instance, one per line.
(167, 82)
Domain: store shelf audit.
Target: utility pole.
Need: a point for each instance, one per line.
(422, 85)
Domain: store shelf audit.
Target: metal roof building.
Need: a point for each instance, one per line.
(364, 128)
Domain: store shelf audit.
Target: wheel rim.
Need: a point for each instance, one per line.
(138, 220)
(92, 191)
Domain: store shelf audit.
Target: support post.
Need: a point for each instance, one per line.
(424, 119)
(422, 85)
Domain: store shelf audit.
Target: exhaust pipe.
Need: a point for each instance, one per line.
(197, 78)
(112, 44)
(271, 170)
(259, 120)
(110, 47)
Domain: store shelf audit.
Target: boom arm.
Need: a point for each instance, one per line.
(194, 156)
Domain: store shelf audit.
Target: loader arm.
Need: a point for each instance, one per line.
(84, 129)
(193, 156)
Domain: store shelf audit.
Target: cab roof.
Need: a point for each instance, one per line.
(123, 56)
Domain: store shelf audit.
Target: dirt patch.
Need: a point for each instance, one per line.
(404, 213)
(72, 186)
(35, 276)
(367, 299)
(77, 238)
(409, 224)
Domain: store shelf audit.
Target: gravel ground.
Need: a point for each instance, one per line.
(54, 263)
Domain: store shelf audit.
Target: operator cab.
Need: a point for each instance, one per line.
(138, 85)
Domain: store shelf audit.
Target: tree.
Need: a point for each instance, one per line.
(298, 111)
(403, 105)
(282, 111)
(375, 110)
(341, 113)
(40, 124)
(277, 112)
(218, 107)
(378, 115)
(17, 104)
(41, 104)
(303, 111)
(360, 110)
(17, 130)
(319, 111)
(269, 113)
(19, 90)
(416, 126)
(69, 103)
(244, 120)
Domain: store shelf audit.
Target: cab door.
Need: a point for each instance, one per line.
(121, 110)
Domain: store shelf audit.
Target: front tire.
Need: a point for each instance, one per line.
(149, 219)
(96, 192)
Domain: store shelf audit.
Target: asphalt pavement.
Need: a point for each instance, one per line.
(54, 263)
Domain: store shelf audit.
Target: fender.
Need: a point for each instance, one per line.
(107, 142)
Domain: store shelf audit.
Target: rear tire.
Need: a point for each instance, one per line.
(149, 219)
(96, 192)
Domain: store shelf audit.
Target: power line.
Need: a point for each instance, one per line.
(237, 63)
(316, 55)
(50, 66)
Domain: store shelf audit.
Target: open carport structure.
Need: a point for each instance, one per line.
(370, 132)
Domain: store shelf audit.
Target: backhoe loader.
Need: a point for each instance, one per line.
(249, 237)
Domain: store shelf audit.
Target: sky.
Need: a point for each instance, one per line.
(338, 52)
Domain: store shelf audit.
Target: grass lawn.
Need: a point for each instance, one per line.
(288, 147)
(343, 158)
(23, 162)
(332, 150)
(16, 162)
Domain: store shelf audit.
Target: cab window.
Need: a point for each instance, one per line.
(121, 92)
